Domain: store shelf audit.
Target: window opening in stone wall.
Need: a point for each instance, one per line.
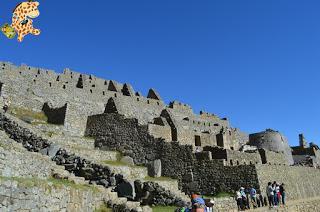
(232, 148)
(20, 72)
(148, 102)
(197, 140)
(64, 87)
(105, 83)
(93, 85)
(103, 93)
(90, 91)
(80, 82)
(58, 78)
(158, 103)
(138, 99)
(90, 77)
(34, 81)
(1, 84)
(50, 84)
(250, 162)
(231, 163)
(36, 75)
(238, 163)
(115, 95)
(38, 71)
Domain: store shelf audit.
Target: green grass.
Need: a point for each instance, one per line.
(164, 209)
(103, 208)
(23, 113)
(148, 178)
(115, 163)
(49, 183)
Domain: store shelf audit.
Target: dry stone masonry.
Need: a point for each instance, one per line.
(201, 152)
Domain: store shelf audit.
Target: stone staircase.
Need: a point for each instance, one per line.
(57, 170)
(84, 147)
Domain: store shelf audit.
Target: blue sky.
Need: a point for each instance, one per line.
(256, 62)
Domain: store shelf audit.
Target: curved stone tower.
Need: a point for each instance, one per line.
(273, 141)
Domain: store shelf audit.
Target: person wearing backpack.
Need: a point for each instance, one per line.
(253, 196)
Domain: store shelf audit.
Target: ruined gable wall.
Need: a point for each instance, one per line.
(274, 158)
(158, 131)
(234, 158)
(114, 132)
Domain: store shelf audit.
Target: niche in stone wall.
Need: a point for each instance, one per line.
(80, 82)
(111, 107)
(220, 140)
(197, 140)
(55, 115)
(1, 84)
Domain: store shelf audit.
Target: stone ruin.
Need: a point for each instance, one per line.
(201, 152)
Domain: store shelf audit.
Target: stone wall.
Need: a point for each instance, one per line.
(159, 131)
(234, 158)
(114, 132)
(87, 95)
(23, 194)
(301, 182)
(274, 158)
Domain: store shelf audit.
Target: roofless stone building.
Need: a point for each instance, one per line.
(199, 152)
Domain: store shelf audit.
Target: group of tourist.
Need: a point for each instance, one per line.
(198, 204)
(276, 194)
(249, 197)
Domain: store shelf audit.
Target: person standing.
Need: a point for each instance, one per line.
(275, 202)
(239, 200)
(283, 194)
(270, 194)
(253, 196)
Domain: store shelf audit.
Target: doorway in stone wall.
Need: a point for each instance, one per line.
(55, 115)
(197, 140)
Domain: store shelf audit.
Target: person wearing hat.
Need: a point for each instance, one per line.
(198, 203)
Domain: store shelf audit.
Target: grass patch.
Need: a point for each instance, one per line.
(164, 209)
(49, 183)
(148, 178)
(115, 163)
(103, 208)
(27, 114)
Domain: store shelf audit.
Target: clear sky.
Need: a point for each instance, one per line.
(253, 61)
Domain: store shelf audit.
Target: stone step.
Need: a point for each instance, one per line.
(113, 197)
(172, 186)
(132, 205)
(84, 147)
(129, 172)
